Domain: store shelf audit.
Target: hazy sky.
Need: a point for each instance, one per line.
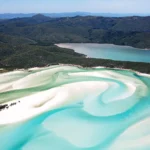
(105, 6)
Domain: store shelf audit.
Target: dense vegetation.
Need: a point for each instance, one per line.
(133, 31)
(28, 42)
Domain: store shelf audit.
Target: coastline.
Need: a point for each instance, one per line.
(74, 65)
(128, 46)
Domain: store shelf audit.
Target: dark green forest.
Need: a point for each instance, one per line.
(29, 42)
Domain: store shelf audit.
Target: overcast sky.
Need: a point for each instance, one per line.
(49, 6)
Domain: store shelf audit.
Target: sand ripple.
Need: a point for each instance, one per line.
(86, 108)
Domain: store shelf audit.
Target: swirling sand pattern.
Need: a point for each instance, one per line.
(71, 108)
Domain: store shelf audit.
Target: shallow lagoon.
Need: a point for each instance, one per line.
(75, 109)
(110, 51)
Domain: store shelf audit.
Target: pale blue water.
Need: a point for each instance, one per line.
(110, 51)
(96, 122)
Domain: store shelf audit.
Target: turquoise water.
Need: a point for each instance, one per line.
(110, 51)
(99, 109)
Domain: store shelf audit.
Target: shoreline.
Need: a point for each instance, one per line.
(74, 65)
(144, 49)
(88, 62)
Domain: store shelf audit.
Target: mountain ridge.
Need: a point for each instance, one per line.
(66, 14)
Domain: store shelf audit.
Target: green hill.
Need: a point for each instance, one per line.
(133, 31)
(29, 42)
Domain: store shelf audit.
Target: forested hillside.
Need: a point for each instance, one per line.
(29, 42)
(133, 31)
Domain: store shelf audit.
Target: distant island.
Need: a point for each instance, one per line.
(68, 14)
(29, 42)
